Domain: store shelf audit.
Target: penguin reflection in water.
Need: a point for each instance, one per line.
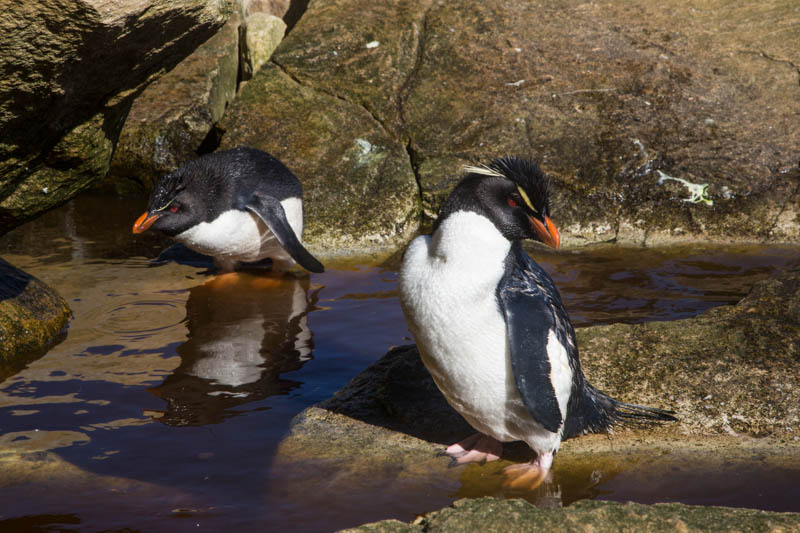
(240, 342)
(492, 330)
(237, 206)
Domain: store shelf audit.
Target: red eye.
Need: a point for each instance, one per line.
(512, 203)
(173, 209)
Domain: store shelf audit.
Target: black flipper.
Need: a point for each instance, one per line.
(532, 308)
(270, 210)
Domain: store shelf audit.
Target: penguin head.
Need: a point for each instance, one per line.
(513, 193)
(180, 200)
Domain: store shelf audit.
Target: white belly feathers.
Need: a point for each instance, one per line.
(240, 236)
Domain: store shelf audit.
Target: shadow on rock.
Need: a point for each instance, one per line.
(398, 393)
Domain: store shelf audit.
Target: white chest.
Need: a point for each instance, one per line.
(448, 289)
(240, 236)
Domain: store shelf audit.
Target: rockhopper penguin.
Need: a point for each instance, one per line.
(239, 205)
(491, 328)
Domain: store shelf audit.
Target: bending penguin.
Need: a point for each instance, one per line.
(491, 327)
(240, 205)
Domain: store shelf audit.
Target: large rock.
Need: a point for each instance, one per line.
(31, 317)
(493, 515)
(263, 33)
(70, 71)
(732, 374)
(616, 100)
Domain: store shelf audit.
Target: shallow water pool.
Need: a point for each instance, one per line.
(163, 405)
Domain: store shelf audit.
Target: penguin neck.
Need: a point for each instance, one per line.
(469, 240)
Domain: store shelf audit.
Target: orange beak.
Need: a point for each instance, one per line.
(549, 234)
(144, 222)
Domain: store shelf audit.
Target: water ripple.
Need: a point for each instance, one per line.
(134, 317)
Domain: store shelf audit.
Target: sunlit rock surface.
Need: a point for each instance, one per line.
(733, 370)
(31, 316)
(618, 101)
(71, 69)
(493, 515)
(359, 191)
(263, 33)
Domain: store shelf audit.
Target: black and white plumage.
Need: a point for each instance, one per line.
(490, 324)
(240, 205)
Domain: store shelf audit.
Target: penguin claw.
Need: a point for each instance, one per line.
(477, 448)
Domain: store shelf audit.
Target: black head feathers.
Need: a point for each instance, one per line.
(526, 174)
(513, 193)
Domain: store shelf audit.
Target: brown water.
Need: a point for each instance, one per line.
(163, 406)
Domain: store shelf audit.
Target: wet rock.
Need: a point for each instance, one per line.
(169, 121)
(490, 514)
(31, 317)
(73, 164)
(618, 101)
(732, 370)
(359, 189)
(71, 71)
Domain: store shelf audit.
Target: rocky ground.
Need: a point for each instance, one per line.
(657, 123)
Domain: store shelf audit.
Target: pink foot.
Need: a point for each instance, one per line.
(475, 448)
(528, 476)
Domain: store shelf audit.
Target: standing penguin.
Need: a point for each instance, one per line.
(239, 205)
(491, 328)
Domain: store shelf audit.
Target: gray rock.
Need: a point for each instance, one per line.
(263, 33)
(31, 317)
(277, 8)
(493, 515)
(70, 73)
(615, 100)
(733, 370)
(73, 164)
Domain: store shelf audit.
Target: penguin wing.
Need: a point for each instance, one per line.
(270, 210)
(533, 312)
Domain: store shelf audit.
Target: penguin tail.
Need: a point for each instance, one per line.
(595, 412)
